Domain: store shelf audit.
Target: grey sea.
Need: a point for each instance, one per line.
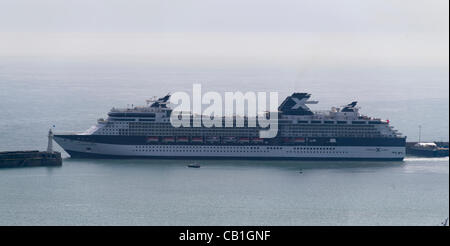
(36, 95)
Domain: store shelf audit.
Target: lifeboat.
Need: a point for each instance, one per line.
(299, 140)
(168, 139)
(212, 139)
(244, 140)
(229, 139)
(197, 139)
(257, 140)
(152, 139)
(182, 139)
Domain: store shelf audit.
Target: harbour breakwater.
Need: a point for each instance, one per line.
(30, 158)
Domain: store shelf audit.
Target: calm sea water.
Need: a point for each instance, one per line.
(35, 95)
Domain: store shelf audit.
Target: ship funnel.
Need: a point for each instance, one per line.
(296, 104)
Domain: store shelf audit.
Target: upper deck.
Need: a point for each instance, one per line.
(154, 120)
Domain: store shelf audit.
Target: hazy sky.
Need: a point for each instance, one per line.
(369, 32)
(224, 15)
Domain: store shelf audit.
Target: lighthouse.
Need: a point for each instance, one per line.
(50, 141)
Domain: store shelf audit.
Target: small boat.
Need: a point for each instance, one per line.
(427, 149)
(194, 165)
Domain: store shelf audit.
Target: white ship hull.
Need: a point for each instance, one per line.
(90, 149)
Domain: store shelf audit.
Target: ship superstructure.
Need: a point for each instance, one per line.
(146, 131)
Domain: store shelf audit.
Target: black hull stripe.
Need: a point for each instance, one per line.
(84, 155)
(142, 140)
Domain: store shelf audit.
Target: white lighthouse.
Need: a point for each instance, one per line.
(50, 141)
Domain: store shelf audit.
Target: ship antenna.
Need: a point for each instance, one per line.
(420, 132)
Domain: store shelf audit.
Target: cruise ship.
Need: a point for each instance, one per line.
(341, 133)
